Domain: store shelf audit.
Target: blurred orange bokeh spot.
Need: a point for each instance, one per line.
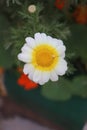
(26, 82)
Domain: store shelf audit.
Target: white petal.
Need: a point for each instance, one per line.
(61, 50)
(43, 38)
(49, 38)
(44, 78)
(24, 57)
(38, 38)
(37, 76)
(53, 76)
(26, 69)
(41, 82)
(61, 67)
(51, 41)
(26, 49)
(62, 55)
(58, 41)
(31, 71)
(30, 41)
(43, 35)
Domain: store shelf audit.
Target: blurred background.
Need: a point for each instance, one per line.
(57, 106)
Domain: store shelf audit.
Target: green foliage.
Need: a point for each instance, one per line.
(30, 23)
(57, 90)
(80, 86)
(49, 20)
(64, 89)
(4, 28)
(77, 43)
(69, 57)
(13, 1)
(6, 59)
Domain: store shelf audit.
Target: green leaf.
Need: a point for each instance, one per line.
(77, 43)
(59, 90)
(79, 86)
(64, 88)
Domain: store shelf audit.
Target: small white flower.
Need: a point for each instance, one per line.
(31, 8)
(44, 58)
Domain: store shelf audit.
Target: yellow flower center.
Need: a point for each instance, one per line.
(45, 57)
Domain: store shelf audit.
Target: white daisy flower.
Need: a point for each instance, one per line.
(44, 58)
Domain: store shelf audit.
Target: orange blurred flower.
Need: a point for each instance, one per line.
(26, 82)
(80, 14)
(60, 4)
(1, 70)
